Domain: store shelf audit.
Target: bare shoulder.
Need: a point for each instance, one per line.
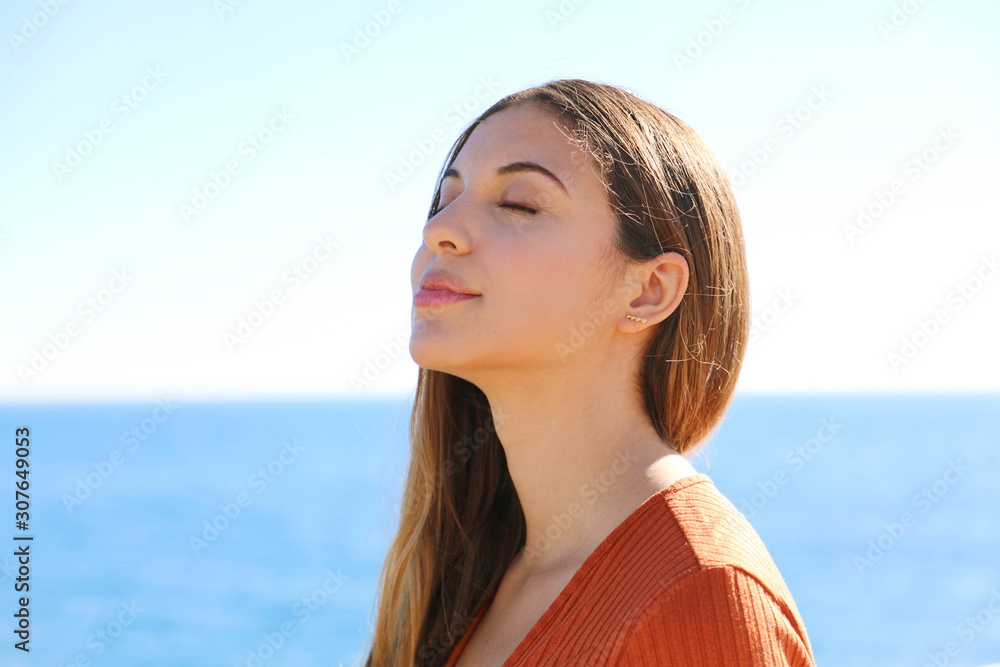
(669, 470)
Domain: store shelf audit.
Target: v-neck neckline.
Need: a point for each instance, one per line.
(588, 564)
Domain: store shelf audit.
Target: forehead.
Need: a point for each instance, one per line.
(527, 132)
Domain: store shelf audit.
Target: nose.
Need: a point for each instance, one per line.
(448, 230)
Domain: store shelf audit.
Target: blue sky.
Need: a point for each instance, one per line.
(818, 112)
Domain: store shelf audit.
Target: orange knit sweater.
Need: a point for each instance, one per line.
(685, 580)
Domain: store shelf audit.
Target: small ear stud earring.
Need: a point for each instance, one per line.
(637, 319)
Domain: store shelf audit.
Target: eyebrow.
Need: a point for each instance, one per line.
(513, 168)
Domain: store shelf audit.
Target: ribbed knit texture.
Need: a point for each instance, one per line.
(684, 581)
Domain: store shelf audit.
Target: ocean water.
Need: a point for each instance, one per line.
(253, 533)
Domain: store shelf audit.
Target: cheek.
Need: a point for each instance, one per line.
(545, 286)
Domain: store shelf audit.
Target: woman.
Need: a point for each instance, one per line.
(580, 316)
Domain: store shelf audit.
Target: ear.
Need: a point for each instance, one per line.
(661, 283)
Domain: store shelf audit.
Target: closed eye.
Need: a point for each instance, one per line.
(526, 209)
(518, 207)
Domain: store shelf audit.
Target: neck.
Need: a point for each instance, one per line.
(582, 455)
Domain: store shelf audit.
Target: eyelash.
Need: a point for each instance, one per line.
(526, 209)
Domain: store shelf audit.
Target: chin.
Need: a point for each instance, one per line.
(430, 354)
(437, 354)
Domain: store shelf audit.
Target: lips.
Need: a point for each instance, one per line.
(431, 298)
(443, 281)
(439, 289)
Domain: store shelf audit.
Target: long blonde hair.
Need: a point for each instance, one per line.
(461, 523)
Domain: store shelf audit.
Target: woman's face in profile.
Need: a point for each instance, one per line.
(528, 244)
